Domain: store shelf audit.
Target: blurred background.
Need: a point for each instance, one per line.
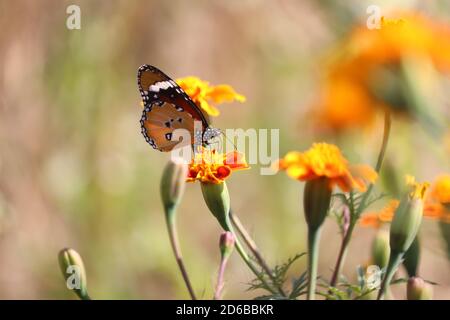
(76, 172)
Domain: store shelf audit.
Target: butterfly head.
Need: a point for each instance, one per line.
(210, 133)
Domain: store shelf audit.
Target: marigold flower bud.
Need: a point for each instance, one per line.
(407, 218)
(316, 201)
(72, 268)
(404, 228)
(226, 244)
(380, 249)
(417, 289)
(217, 199)
(173, 182)
(412, 258)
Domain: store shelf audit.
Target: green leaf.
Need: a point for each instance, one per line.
(278, 278)
(298, 285)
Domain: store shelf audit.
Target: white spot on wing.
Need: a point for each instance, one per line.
(162, 85)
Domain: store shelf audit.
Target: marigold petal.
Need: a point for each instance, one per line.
(193, 172)
(433, 210)
(362, 175)
(297, 172)
(209, 166)
(235, 160)
(222, 173)
(386, 215)
(224, 93)
(370, 220)
(365, 172)
(208, 108)
(291, 158)
(202, 93)
(343, 183)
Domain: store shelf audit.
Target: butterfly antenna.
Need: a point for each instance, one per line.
(228, 139)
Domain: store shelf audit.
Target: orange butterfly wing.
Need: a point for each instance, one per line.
(159, 122)
(166, 108)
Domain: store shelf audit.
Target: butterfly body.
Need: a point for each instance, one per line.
(167, 108)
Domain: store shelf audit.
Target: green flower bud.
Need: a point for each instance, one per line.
(217, 199)
(412, 257)
(380, 249)
(226, 244)
(72, 268)
(407, 218)
(417, 289)
(316, 201)
(173, 182)
(404, 228)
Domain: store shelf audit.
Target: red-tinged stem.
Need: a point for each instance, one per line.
(354, 216)
(220, 282)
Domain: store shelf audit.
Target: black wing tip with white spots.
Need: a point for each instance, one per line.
(144, 67)
(148, 67)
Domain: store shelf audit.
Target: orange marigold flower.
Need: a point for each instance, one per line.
(326, 160)
(343, 103)
(354, 88)
(209, 166)
(441, 189)
(203, 94)
(438, 203)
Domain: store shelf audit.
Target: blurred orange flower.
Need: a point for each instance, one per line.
(326, 160)
(348, 98)
(377, 218)
(209, 166)
(441, 189)
(370, 219)
(438, 204)
(203, 94)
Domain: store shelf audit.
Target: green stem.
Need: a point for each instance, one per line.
(354, 216)
(218, 201)
(84, 296)
(313, 257)
(254, 249)
(240, 249)
(394, 261)
(173, 235)
(386, 134)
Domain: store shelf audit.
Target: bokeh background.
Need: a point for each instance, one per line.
(76, 172)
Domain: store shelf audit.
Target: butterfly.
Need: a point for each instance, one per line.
(167, 108)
